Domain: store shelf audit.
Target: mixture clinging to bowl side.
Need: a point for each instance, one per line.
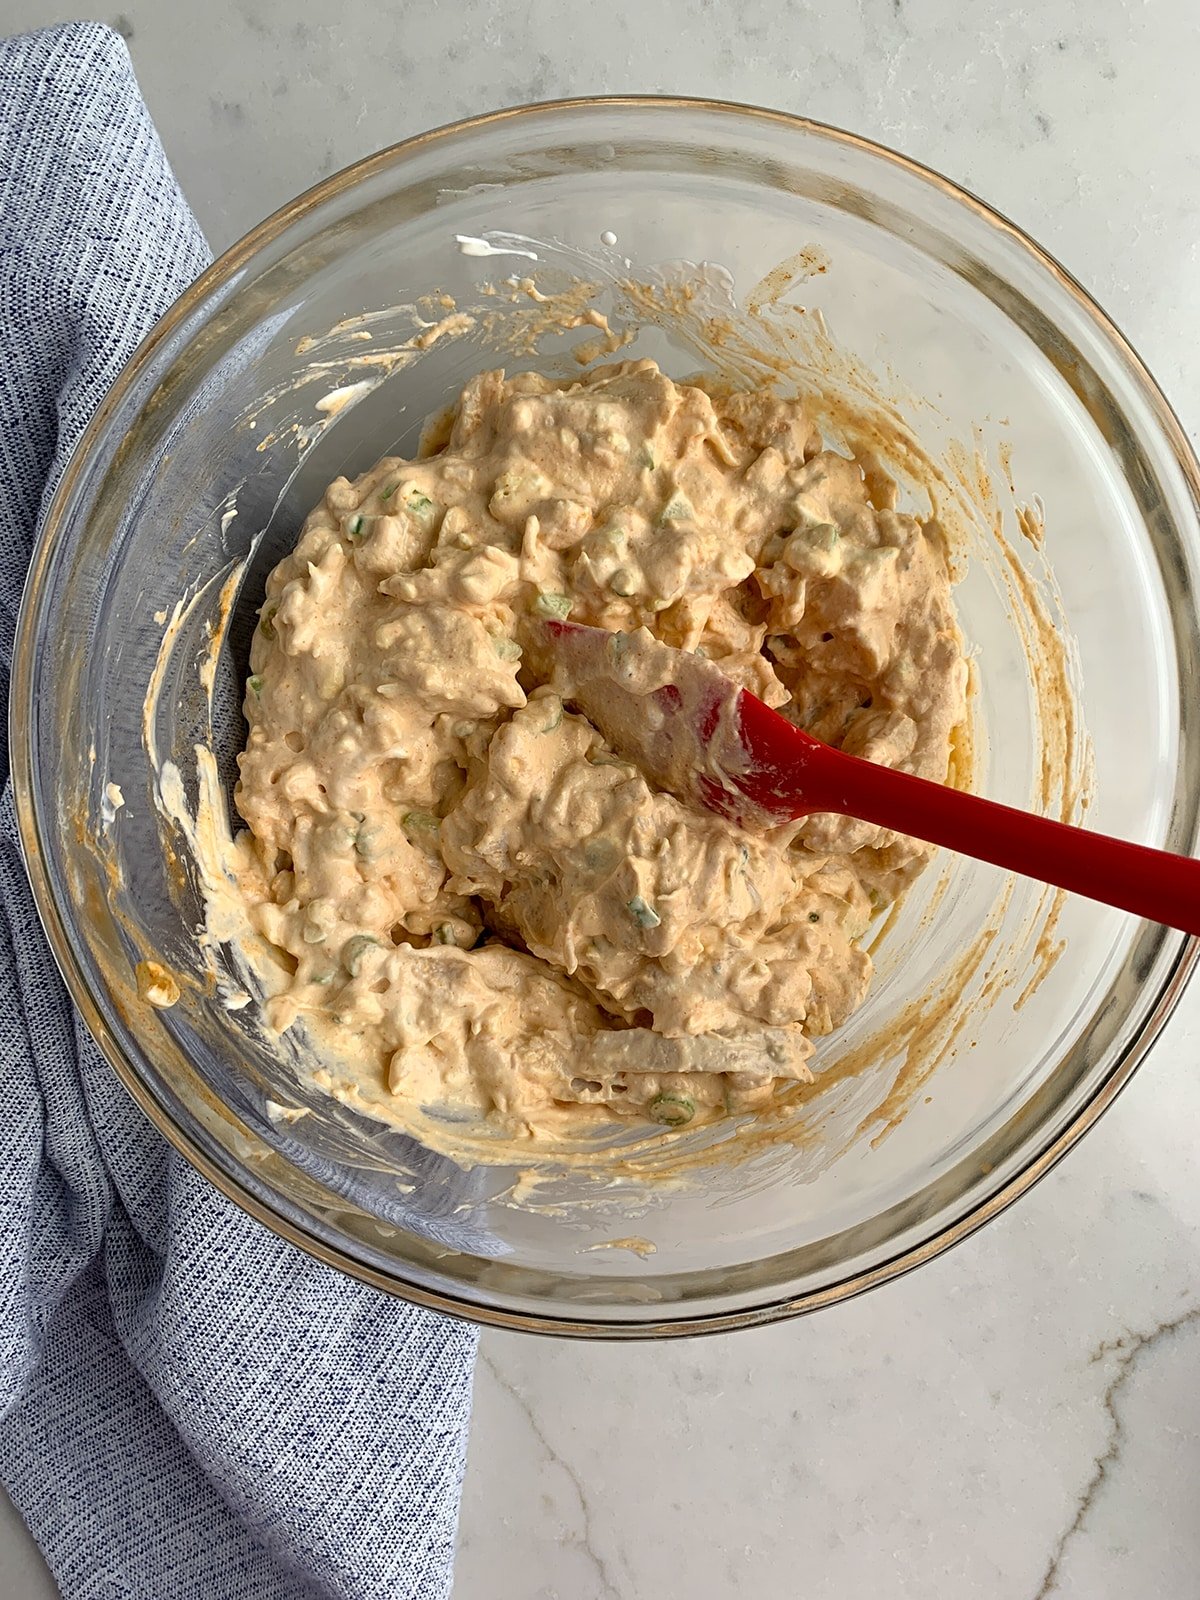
(472, 895)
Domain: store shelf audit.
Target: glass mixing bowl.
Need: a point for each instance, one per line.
(1002, 1021)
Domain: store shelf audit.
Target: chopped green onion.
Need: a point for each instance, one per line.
(677, 509)
(645, 916)
(671, 1109)
(386, 494)
(645, 459)
(418, 822)
(445, 934)
(506, 649)
(601, 855)
(355, 527)
(254, 683)
(553, 605)
(322, 977)
(354, 950)
(556, 717)
(419, 502)
(266, 623)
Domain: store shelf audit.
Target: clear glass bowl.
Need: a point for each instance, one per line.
(205, 457)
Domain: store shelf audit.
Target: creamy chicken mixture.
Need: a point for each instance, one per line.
(472, 896)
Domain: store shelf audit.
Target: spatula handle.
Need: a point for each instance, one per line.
(1150, 883)
(1133, 877)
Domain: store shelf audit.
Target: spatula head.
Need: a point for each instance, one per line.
(681, 721)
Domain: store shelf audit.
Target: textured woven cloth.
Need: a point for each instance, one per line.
(190, 1409)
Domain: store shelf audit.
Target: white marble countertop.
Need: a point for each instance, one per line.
(1021, 1418)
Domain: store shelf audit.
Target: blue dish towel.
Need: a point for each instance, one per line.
(190, 1409)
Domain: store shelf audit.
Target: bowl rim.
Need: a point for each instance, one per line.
(21, 738)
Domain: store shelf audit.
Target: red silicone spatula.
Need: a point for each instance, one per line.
(698, 735)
